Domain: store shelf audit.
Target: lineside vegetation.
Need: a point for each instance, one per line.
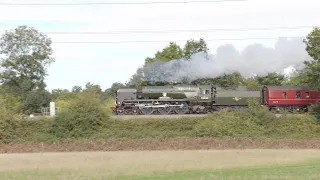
(88, 119)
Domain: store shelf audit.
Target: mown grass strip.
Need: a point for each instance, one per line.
(297, 171)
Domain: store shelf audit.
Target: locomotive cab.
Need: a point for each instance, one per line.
(126, 94)
(207, 93)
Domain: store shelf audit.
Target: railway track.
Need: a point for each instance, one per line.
(175, 116)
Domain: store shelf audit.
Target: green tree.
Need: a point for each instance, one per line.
(226, 80)
(312, 42)
(272, 79)
(142, 83)
(252, 83)
(310, 75)
(76, 89)
(35, 100)
(64, 99)
(10, 101)
(27, 54)
(57, 92)
(233, 79)
(137, 78)
(112, 91)
(192, 47)
(94, 88)
(173, 51)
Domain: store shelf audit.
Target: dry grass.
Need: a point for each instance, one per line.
(141, 162)
(181, 143)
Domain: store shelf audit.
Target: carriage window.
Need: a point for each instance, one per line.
(307, 95)
(206, 92)
(298, 94)
(284, 95)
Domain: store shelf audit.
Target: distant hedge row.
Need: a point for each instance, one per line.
(87, 118)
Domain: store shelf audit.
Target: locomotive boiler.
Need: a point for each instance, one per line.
(181, 99)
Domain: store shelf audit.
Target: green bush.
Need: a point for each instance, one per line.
(9, 123)
(11, 102)
(288, 126)
(315, 112)
(85, 117)
(226, 123)
(154, 128)
(36, 129)
(260, 114)
(8, 130)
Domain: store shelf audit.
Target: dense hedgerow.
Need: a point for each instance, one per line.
(9, 123)
(155, 128)
(87, 118)
(315, 112)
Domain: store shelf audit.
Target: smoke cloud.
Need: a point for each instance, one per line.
(255, 59)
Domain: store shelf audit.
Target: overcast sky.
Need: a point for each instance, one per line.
(105, 63)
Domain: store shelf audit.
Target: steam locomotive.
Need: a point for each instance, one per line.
(196, 99)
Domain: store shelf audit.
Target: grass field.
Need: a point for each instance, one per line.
(200, 164)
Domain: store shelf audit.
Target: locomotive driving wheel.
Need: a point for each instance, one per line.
(183, 109)
(121, 112)
(165, 110)
(147, 110)
(135, 111)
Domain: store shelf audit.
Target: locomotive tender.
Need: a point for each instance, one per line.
(191, 99)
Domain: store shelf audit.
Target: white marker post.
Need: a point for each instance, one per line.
(52, 109)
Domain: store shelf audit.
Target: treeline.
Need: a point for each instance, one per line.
(27, 55)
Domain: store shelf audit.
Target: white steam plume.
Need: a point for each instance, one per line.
(255, 59)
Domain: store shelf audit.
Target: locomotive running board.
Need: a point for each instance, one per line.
(151, 100)
(157, 106)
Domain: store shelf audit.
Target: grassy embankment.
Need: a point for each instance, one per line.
(222, 124)
(87, 119)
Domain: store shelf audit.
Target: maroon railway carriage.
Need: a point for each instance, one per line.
(289, 98)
